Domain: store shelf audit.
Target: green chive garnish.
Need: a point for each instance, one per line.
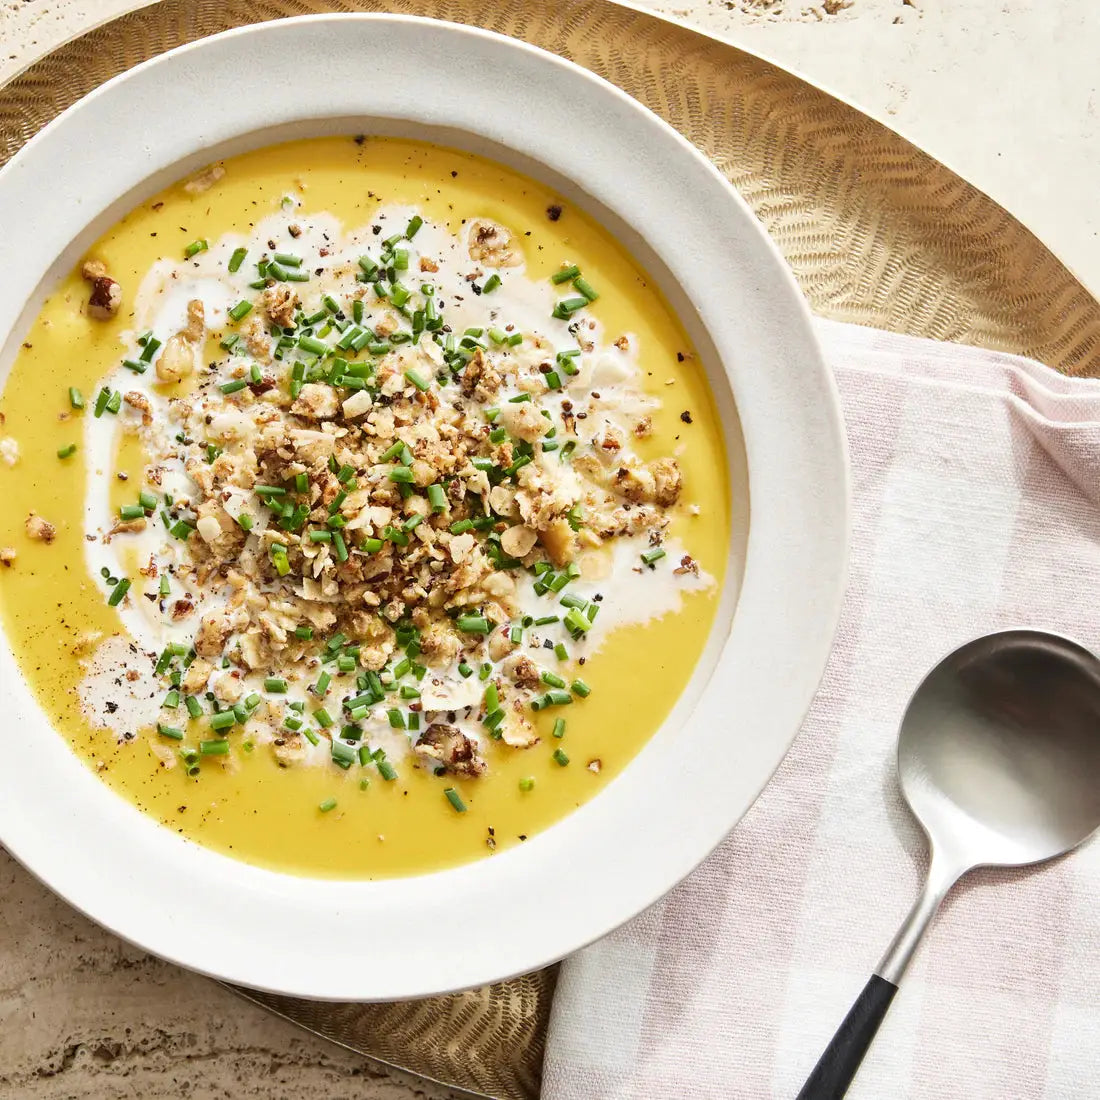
(76, 398)
(222, 720)
(241, 310)
(195, 247)
(67, 451)
(454, 799)
(170, 732)
(527, 783)
(584, 287)
(473, 624)
(651, 556)
(491, 284)
(237, 259)
(118, 592)
(565, 274)
(560, 757)
(328, 804)
(218, 747)
(418, 380)
(233, 387)
(386, 770)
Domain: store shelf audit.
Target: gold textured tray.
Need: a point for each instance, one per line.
(877, 232)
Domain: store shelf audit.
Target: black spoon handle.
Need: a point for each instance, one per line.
(838, 1064)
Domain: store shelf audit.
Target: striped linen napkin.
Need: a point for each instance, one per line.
(976, 479)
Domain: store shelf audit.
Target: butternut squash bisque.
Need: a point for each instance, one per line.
(366, 507)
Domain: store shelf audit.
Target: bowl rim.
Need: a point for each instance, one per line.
(779, 636)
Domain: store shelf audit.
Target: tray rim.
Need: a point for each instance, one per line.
(682, 23)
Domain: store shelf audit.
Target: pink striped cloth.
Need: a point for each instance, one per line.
(976, 490)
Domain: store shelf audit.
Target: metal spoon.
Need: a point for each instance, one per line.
(999, 759)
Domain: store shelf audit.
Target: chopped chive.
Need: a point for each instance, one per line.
(552, 679)
(485, 671)
(565, 274)
(415, 222)
(245, 521)
(194, 707)
(491, 284)
(561, 652)
(118, 592)
(320, 536)
(437, 498)
(322, 717)
(402, 474)
(287, 259)
(131, 511)
(114, 402)
(328, 804)
(233, 387)
(67, 451)
(584, 287)
(559, 728)
(303, 632)
(135, 365)
(581, 688)
(386, 770)
(418, 380)
(222, 720)
(275, 684)
(237, 259)
(76, 398)
(492, 698)
(195, 247)
(346, 662)
(566, 307)
(553, 381)
(460, 527)
(170, 732)
(414, 521)
(465, 671)
(455, 800)
(397, 720)
(322, 684)
(340, 546)
(560, 758)
(527, 783)
(217, 747)
(165, 586)
(171, 700)
(268, 491)
(473, 624)
(652, 556)
(241, 310)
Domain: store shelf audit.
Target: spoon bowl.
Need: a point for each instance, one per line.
(999, 752)
(999, 759)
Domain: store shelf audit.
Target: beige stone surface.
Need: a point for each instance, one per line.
(1006, 93)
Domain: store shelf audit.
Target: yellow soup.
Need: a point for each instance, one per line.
(325, 820)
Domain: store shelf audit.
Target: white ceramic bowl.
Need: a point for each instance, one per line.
(616, 855)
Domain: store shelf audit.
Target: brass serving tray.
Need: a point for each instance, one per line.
(877, 232)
